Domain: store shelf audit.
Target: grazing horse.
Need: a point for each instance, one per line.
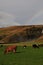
(10, 49)
(35, 46)
(24, 46)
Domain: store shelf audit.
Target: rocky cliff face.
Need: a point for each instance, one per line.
(21, 33)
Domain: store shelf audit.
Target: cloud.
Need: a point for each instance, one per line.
(37, 19)
(7, 19)
(23, 9)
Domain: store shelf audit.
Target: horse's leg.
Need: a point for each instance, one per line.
(5, 52)
(14, 50)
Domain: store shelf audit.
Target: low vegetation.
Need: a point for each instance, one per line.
(21, 34)
(23, 56)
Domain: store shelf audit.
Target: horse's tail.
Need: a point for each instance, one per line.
(5, 51)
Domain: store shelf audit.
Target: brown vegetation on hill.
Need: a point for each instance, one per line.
(21, 33)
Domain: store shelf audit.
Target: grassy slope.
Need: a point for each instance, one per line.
(9, 31)
(27, 56)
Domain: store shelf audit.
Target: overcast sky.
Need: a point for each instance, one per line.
(20, 12)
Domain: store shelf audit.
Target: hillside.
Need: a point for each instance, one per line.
(21, 33)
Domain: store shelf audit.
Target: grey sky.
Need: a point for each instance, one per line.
(23, 11)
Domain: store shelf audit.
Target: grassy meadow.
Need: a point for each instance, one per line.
(23, 56)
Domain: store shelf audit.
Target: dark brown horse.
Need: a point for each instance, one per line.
(10, 49)
(35, 46)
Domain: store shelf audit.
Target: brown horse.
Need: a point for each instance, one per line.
(10, 49)
(35, 46)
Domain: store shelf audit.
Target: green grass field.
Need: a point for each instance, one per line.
(24, 56)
